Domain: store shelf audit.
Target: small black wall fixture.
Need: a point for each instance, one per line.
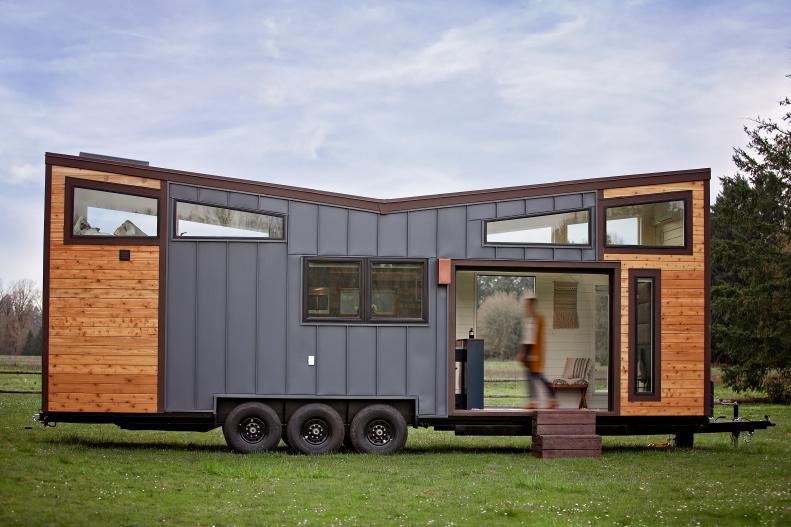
(124, 255)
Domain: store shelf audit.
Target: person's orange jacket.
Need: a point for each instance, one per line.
(535, 360)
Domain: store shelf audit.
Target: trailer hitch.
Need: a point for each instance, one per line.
(747, 430)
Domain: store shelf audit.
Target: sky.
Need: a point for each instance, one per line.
(380, 99)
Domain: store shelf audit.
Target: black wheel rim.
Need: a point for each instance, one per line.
(379, 432)
(315, 431)
(252, 430)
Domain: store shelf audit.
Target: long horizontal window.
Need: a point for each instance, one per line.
(646, 225)
(364, 290)
(565, 228)
(100, 213)
(206, 221)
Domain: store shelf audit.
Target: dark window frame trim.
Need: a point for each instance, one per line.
(646, 199)
(116, 188)
(364, 318)
(589, 245)
(175, 221)
(656, 276)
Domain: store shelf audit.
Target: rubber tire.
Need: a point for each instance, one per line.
(383, 412)
(230, 428)
(312, 411)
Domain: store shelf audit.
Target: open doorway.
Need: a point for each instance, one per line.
(576, 311)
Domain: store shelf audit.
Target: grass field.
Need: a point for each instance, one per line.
(102, 475)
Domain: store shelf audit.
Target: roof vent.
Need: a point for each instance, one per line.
(102, 157)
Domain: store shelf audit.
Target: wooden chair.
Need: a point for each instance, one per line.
(576, 373)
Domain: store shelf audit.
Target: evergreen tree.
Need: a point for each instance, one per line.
(751, 258)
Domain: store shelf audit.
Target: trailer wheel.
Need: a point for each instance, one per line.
(315, 429)
(252, 427)
(378, 429)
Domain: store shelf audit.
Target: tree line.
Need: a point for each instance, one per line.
(20, 318)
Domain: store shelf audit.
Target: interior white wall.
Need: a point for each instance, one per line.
(559, 343)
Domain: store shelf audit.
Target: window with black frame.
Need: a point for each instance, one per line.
(562, 228)
(195, 220)
(397, 290)
(658, 224)
(101, 213)
(332, 289)
(644, 334)
(364, 290)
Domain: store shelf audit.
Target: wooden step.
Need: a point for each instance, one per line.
(567, 442)
(549, 446)
(567, 417)
(563, 429)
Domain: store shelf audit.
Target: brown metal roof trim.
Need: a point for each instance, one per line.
(376, 204)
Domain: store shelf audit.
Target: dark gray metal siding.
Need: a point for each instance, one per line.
(234, 308)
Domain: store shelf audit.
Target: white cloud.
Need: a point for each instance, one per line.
(24, 173)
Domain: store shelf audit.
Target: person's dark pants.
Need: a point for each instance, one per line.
(534, 378)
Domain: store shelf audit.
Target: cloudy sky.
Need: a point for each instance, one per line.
(379, 98)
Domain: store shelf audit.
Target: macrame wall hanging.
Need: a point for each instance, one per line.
(565, 313)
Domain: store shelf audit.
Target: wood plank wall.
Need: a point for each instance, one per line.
(103, 316)
(683, 314)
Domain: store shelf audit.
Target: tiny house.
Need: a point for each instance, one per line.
(184, 301)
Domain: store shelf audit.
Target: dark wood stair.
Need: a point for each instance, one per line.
(565, 433)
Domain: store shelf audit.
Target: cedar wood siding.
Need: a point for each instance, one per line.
(683, 317)
(103, 322)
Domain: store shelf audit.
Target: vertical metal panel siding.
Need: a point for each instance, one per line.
(422, 234)
(333, 231)
(509, 253)
(538, 253)
(242, 308)
(300, 340)
(569, 201)
(451, 232)
(212, 314)
(181, 309)
(363, 237)
(235, 308)
(183, 192)
(441, 370)
(475, 248)
(271, 319)
(361, 360)
(273, 204)
(391, 361)
(302, 228)
(331, 361)
(392, 234)
(481, 211)
(421, 355)
(535, 205)
(510, 208)
(243, 201)
(216, 197)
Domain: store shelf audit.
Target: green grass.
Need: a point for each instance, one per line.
(101, 475)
